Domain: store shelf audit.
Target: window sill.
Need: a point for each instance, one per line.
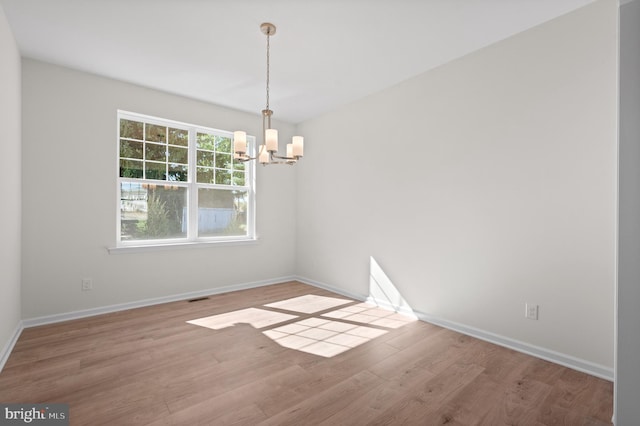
(143, 248)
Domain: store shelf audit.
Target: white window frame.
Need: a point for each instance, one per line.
(192, 186)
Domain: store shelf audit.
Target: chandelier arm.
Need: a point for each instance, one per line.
(285, 158)
(291, 163)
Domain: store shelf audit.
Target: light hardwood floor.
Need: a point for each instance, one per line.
(339, 363)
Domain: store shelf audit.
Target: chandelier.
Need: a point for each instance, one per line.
(267, 153)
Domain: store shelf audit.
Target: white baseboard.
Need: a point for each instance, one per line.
(50, 319)
(569, 361)
(8, 347)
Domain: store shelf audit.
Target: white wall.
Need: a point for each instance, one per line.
(627, 389)
(479, 186)
(11, 192)
(69, 199)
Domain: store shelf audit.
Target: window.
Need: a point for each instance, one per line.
(179, 183)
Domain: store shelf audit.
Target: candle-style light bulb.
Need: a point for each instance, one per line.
(271, 139)
(263, 158)
(298, 146)
(239, 142)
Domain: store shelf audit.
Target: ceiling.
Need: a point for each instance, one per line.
(325, 53)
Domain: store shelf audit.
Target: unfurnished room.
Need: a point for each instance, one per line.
(320, 213)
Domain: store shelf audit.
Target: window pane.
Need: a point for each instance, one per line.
(205, 158)
(206, 141)
(223, 160)
(205, 175)
(156, 152)
(237, 165)
(130, 149)
(178, 155)
(156, 171)
(223, 177)
(178, 137)
(223, 144)
(178, 172)
(238, 178)
(131, 129)
(131, 169)
(152, 211)
(156, 133)
(221, 212)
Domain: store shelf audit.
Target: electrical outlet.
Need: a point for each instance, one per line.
(87, 284)
(531, 311)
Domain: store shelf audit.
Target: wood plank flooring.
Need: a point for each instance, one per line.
(148, 366)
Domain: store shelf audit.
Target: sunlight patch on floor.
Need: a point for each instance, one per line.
(309, 303)
(327, 334)
(322, 337)
(258, 318)
(370, 314)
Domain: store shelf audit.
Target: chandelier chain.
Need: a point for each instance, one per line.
(268, 48)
